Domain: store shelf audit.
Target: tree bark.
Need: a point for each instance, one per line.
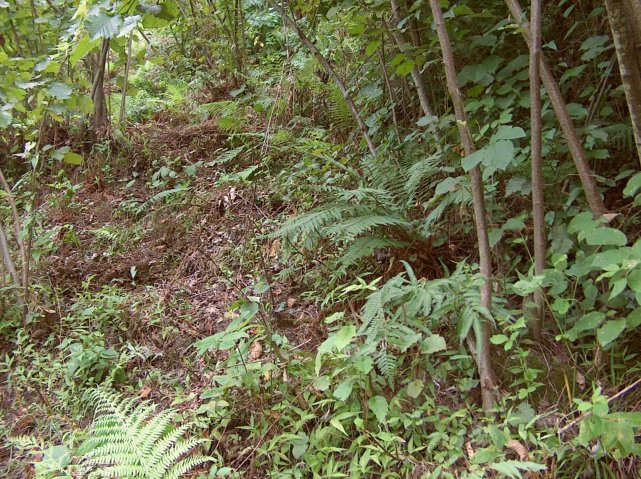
(482, 356)
(538, 208)
(625, 33)
(417, 78)
(125, 83)
(100, 118)
(330, 71)
(575, 144)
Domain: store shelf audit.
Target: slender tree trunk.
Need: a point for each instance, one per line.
(100, 118)
(329, 70)
(575, 144)
(417, 78)
(538, 208)
(125, 83)
(482, 356)
(627, 43)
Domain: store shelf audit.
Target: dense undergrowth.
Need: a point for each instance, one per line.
(225, 285)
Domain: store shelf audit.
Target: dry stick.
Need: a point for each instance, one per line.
(125, 81)
(629, 59)
(17, 227)
(482, 356)
(538, 199)
(6, 256)
(330, 71)
(575, 144)
(588, 414)
(419, 84)
(381, 53)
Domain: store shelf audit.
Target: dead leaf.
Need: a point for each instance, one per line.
(519, 448)
(580, 380)
(255, 350)
(291, 302)
(274, 248)
(144, 392)
(470, 450)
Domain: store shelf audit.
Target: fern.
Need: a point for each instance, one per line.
(129, 440)
(338, 111)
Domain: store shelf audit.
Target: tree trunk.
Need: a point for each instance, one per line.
(482, 356)
(330, 71)
(625, 32)
(125, 84)
(417, 78)
(100, 118)
(538, 209)
(575, 144)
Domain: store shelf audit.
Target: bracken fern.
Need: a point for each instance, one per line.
(130, 440)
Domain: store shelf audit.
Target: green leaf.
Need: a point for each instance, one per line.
(470, 161)
(433, 344)
(506, 132)
(5, 119)
(633, 185)
(405, 68)
(372, 47)
(103, 25)
(321, 383)
(378, 405)
(512, 468)
(344, 389)
(582, 222)
(610, 331)
(634, 280)
(338, 425)
(82, 48)
(588, 322)
(499, 339)
(414, 388)
(72, 158)
(344, 336)
(604, 236)
(59, 90)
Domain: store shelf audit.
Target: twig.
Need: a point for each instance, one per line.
(588, 414)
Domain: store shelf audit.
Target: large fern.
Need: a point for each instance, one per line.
(130, 440)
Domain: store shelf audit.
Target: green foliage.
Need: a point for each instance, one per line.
(132, 440)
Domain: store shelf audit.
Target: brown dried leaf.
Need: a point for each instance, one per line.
(255, 351)
(144, 392)
(519, 448)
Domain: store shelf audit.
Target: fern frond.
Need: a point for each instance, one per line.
(129, 440)
(348, 230)
(366, 246)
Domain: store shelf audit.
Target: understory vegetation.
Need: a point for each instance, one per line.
(319, 239)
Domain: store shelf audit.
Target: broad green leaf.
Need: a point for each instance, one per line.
(379, 406)
(499, 339)
(372, 47)
(470, 161)
(634, 318)
(618, 287)
(633, 185)
(433, 344)
(506, 132)
(82, 48)
(5, 119)
(604, 236)
(321, 383)
(344, 389)
(589, 322)
(59, 90)
(512, 469)
(427, 120)
(582, 222)
(405, 68)
(72, 158)
(610, 331)
(344, 336)
(103, 25)
(414, 388)
(634, 280)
